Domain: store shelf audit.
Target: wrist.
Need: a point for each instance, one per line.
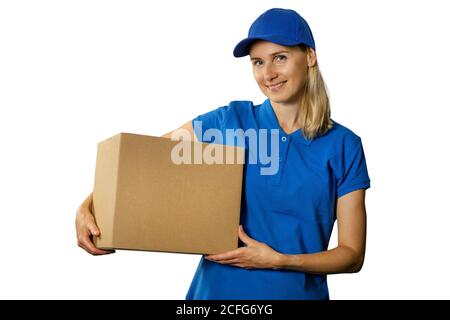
(279, 261)
(290, 262)
(84, 209)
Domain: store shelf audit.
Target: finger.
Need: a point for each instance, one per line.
(229, 261)
(93, 229)
(243, 266)
(225, 256)
(244, 237)
(86, 243)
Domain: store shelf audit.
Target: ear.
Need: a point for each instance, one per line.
(311, 57)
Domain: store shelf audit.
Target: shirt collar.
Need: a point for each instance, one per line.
(269, 121)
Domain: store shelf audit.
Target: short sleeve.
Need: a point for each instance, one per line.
(351, 169)
(211, 127)
(214, 119)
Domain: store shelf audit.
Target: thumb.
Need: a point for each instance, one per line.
(93, 229)
(244, 237)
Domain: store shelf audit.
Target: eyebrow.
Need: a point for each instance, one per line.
(272, 54)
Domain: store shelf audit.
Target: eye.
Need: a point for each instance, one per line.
(280, 57)
(257, 62)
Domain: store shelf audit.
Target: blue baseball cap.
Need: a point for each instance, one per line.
(281, 26)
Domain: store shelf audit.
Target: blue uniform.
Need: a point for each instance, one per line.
(293, 210)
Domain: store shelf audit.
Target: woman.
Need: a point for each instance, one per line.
(287, 215)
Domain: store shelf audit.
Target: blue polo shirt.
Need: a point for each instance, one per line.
(292, 210)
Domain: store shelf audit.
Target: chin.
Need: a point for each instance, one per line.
(283, 98)
(277, 98)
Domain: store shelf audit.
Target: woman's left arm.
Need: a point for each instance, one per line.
(347, 257)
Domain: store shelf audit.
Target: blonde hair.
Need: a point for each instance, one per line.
(316, 114)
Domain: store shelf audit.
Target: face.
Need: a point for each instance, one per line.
(280, 71)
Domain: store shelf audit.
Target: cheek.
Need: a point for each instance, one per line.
(298, 78)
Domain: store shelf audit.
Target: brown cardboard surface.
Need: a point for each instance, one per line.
(144, 201)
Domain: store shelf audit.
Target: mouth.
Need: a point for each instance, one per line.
(276, 86)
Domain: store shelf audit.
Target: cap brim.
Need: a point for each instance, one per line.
(243, 48)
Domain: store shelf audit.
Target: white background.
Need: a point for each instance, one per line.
(73, 73)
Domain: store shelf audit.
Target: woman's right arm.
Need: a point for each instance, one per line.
(87, 228)
(186, 128)
(85, 221)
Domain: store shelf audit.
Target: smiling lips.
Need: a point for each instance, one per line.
(276, 86)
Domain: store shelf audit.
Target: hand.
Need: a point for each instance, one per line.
(254, 255)
(87, 228)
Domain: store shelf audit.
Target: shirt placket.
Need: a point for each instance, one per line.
(284, 142)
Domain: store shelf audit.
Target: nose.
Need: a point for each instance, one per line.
(269, 72)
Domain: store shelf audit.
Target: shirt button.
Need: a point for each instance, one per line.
(281, 158)
(283, 139)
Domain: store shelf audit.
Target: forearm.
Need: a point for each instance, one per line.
(338, 260)
(185, 132)
(167, 135)
(88, 201)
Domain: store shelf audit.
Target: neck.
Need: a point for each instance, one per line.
(288, 116)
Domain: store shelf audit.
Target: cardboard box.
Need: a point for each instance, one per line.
(144, 201)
